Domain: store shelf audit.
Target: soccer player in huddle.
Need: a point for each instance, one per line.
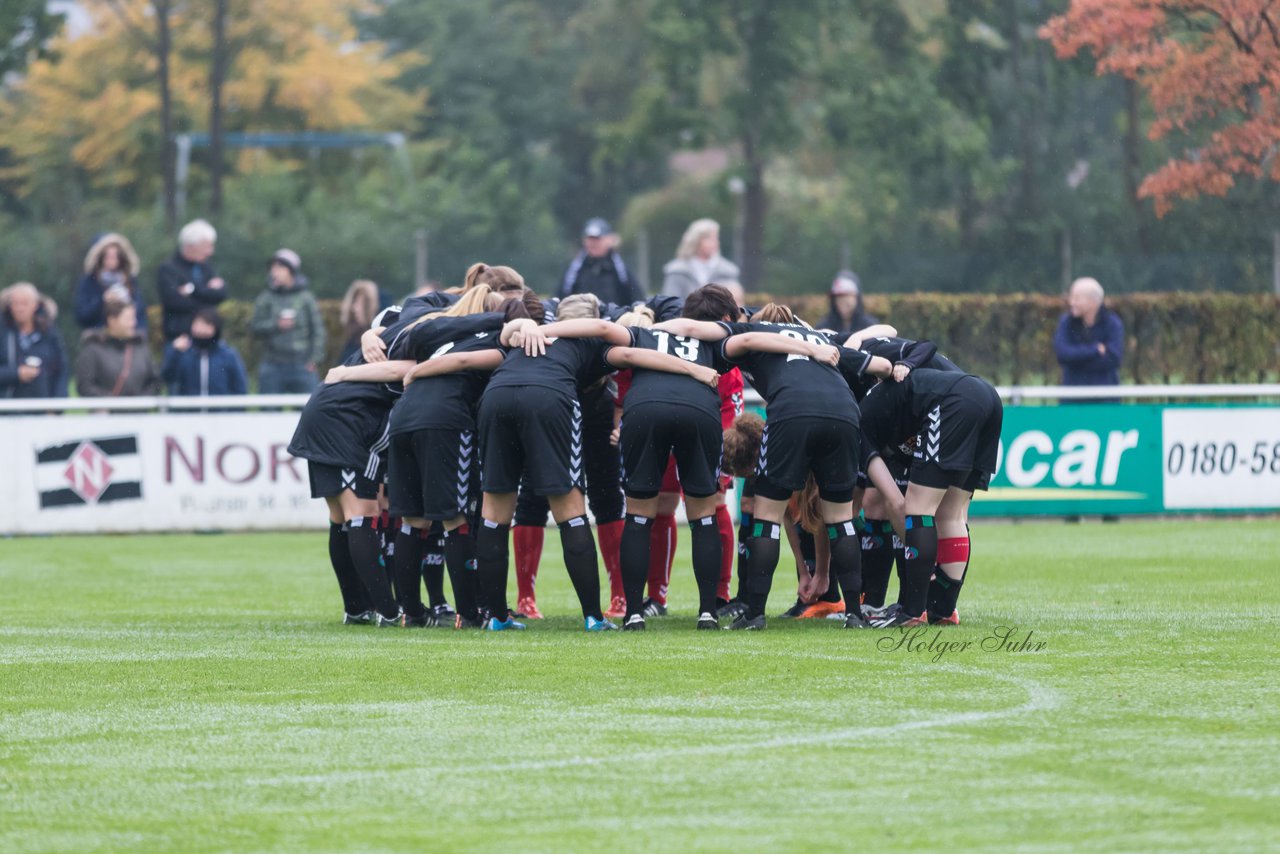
(811, 428)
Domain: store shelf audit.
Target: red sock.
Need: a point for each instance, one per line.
(662, 553)
(610, 534)
(527, 542)
(728, 550)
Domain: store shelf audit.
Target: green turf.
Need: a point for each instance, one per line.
(197, 693)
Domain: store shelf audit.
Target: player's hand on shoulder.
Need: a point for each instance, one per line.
(335, 375)
(372, 347)
(826, 353)
(900, 372)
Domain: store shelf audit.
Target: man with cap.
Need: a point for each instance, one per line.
(287, 323)
(598, 268)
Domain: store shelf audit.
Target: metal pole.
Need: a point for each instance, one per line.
(642, 259)
(419, 258)
(1066, 259)
(181, 167)
(1275, 261)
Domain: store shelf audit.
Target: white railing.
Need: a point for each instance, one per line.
(1014, 394)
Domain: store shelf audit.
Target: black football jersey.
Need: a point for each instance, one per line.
(663, 387)
(568, 365)
(343, 422)
(914, 354)
(447, 401)
(795, 386)
(893, 412)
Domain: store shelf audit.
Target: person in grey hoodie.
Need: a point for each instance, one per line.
(288, 325)
(698, 261)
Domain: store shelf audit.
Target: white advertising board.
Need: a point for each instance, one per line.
(150, 472)
(1221, 458)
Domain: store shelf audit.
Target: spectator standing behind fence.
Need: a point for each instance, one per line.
(201, 363)
(32, 360)
(698, 261)
(114, 361)
(110, 265)
(360, 305)
(187, 281)
(287, 322)
(598, 269)
(1089, 340)
(847, 314)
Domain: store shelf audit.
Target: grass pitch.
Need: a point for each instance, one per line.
(197, 693)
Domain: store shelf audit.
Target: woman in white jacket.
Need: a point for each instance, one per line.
(698, 261)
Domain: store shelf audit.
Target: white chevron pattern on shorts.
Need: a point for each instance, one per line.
(465, 454)
(575, 447)
(762, 467)
(933, 433)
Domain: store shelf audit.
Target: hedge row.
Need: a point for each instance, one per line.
(1170, 338)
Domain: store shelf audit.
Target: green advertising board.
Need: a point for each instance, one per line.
(1065, 460)
(1117, 459)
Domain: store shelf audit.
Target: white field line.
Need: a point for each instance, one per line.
(1039, 699)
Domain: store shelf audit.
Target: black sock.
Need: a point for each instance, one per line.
(761, 560)
(584, 567)
(433, 567)
(943, 593)
(363, 541)
(354, 598)
(460, 560)
(492, 555)
(921, 551)
(407, 575)
(387, 539)
(877, 561)
(834, 593)
(846, 562)
(706, 561)
(744, 531)
(635, 560)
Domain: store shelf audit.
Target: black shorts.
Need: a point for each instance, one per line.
(433, 474)
(791, 449)
(328, 481)
(961, 439)
(652, 432)
(533, 431)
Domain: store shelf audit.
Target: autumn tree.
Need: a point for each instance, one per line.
(96, 109)
(1211, 70)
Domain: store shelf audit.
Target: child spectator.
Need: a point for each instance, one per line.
(202, 364)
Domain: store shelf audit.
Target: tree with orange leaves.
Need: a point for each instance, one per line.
(1211, 69)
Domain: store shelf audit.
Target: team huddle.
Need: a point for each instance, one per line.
(469, 411)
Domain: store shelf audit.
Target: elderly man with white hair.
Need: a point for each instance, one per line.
(187, 281)
(1089, 340)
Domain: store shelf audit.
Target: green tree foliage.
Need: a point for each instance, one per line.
(26, 26)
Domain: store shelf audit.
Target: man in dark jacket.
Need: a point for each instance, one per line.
(202, 364)
(187, 281)
(287, 321)
(1089, 340)
(598, 268)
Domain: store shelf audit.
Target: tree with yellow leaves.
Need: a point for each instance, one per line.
(103, 112)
